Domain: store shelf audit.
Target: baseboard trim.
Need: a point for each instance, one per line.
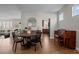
(77, 49)
(51, 37)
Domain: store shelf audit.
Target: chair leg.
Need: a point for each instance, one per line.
(54, 41)
(21, 43)
(59, 43)
(35, 47)
(40, 44)
(15, 47)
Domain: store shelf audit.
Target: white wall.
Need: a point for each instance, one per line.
(13, 13)
(10, 13)
(69, 22)
(39, 17)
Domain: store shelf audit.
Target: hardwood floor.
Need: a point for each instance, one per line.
(48, 47)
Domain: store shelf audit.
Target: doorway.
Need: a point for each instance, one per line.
(46, 27)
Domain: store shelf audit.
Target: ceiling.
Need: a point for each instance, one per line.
(40, 7)
(31, 7)
(9, 11)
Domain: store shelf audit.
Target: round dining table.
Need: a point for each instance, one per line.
(26, 37)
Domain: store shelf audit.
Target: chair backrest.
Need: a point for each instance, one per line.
(14, 36)
(39, 36)
(36, 38)
(39, 33)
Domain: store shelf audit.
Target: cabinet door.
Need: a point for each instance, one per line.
(70, 39)
(66, 42)
(72, 44)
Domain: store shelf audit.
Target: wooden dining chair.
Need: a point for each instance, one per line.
(16, 40)
(36, 39)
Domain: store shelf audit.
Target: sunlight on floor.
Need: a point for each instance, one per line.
(5, 45)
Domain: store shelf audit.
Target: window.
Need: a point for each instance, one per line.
(61, 17)
(6, 25)
(0, 25)
(75, 10)
(10, 23)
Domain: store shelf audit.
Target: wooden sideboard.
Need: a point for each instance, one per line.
(70, 39)
(45, 31)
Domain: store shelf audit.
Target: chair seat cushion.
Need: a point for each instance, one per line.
(56, 35)
(19, 40)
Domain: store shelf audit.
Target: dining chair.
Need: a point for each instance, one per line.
(36, 39)
(16, 40)
(39, 36)
(59, 41)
